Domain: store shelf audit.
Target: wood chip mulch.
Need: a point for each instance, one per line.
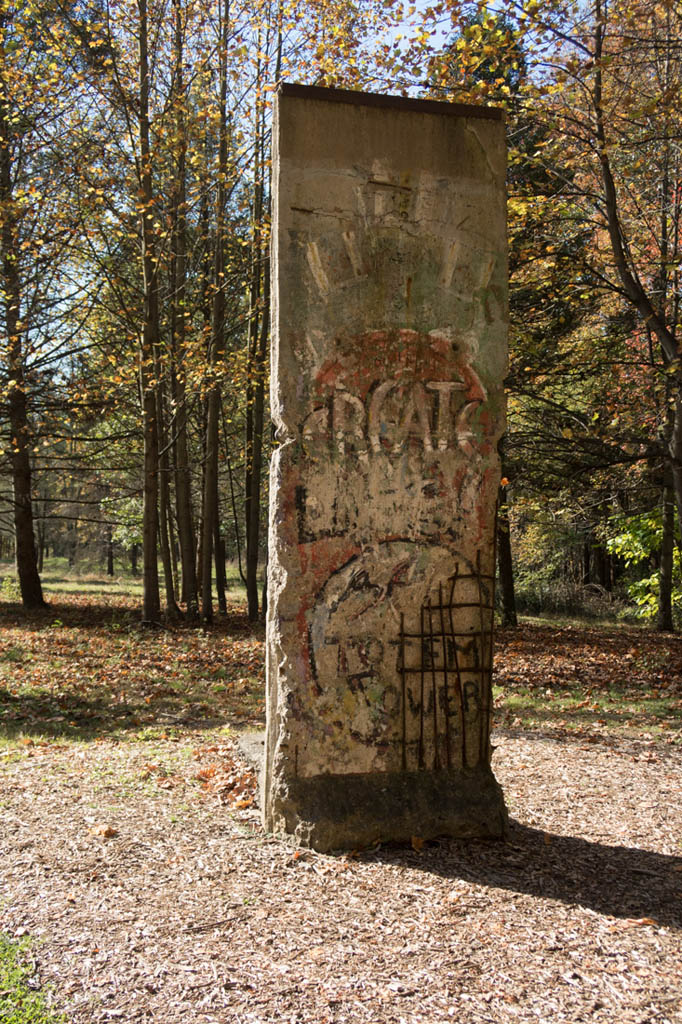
(152, 894)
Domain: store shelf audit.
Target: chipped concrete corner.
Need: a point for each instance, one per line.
(389, 354)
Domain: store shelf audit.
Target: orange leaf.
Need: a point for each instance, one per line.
(105, 831)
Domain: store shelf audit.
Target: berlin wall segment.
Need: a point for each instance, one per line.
(389, 354)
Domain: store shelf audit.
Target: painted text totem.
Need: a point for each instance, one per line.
(389, 352)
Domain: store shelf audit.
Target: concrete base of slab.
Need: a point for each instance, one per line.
(341, 812)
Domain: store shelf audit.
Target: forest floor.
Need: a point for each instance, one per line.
(132, 857)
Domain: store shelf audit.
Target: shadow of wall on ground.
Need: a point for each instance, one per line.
(617, 881)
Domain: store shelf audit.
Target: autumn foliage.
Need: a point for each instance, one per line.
(134, 279)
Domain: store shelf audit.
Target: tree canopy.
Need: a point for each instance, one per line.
(134, 284)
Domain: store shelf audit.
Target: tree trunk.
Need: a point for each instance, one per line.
(110, 551)
(264, 598)
(151, 610)
(17, 410)
(676, 453)
(209, 512)
(278, 72)
(174, 552)
(41, 542)
(183, 502)
(235, 517)
(256, 468)
(172, 609)
(504, 562)
(210, 508)
(255, 395)
(586, 561)
(183, 481)
(220, 576)
(600, 565)
(664, 619)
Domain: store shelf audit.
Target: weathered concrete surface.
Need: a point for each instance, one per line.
(389, 353)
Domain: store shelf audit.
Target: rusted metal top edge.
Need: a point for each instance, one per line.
(374, 99)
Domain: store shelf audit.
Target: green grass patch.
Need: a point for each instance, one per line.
(21, 1000)
(561, 620)
(85, 669)
(578, 679)
(575, 711)
(91, 581)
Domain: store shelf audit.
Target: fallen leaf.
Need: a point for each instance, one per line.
(104, 831)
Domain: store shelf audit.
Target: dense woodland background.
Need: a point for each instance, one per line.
(134, 286)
